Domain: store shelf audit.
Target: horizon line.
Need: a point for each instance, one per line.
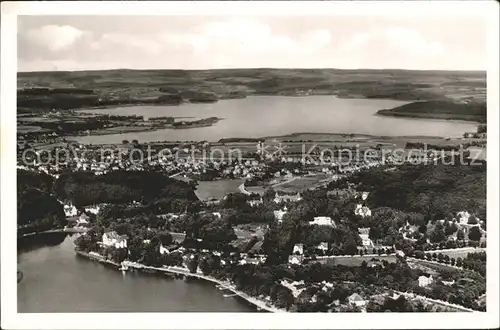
(260, 68)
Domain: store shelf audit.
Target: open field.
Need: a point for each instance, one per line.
(296, 141)
(31, 129)
(248, 230)
(393, 84)
(207, 190)
(355, 261)
(301, 183)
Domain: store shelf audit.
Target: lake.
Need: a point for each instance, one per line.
(56, 280)
(261, 116)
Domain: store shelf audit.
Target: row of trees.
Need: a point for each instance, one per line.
(473, 261)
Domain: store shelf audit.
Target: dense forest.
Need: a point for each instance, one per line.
(85, 188)
(434, 191)
(37, 208)
(38, 195)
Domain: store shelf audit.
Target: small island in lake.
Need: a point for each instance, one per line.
(205, 122)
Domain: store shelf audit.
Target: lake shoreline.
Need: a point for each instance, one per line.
(423, 115)
(54, 231)
(381, 112)
(337, 116)
(261, 305)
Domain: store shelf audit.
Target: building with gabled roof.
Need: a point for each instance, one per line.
(357, 300)
(112, 239)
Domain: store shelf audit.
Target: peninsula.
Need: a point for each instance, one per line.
(440, 110)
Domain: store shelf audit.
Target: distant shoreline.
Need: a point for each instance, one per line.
(442, 110)
(292, 138)
(352, 136)
(423, 115)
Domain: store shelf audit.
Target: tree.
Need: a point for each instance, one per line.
(285, 298)
(437, 235)
(125, 142)
(269, 195)
(460, 234)
(192, 265)
(475, 234)
(350, 247)
(165, 238)
(422, 228)
(450, 229)
(83, 242)
(472, 220)
(205, 266)
(419, 254)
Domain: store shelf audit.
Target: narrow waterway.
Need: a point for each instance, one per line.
(56, 280)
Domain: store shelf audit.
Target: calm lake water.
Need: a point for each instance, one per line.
(261, 116)
(56, 280)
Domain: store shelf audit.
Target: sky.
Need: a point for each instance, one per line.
(52, 43)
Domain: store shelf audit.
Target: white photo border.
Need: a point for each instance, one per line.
(10, 319)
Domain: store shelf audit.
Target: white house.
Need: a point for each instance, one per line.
(323, 246)
(255, 202)
(322, 221)
(295, 260)
(278, 215)
(92, 209)
(298, 248)
(287, 198)
(70, 210)
(163, 250)
(424, 281)
(365, 240)
(463, 217)
(83, 219)
(364, 195)
(400, 254)
(357, 300)
(362, 211)
(113, 239)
